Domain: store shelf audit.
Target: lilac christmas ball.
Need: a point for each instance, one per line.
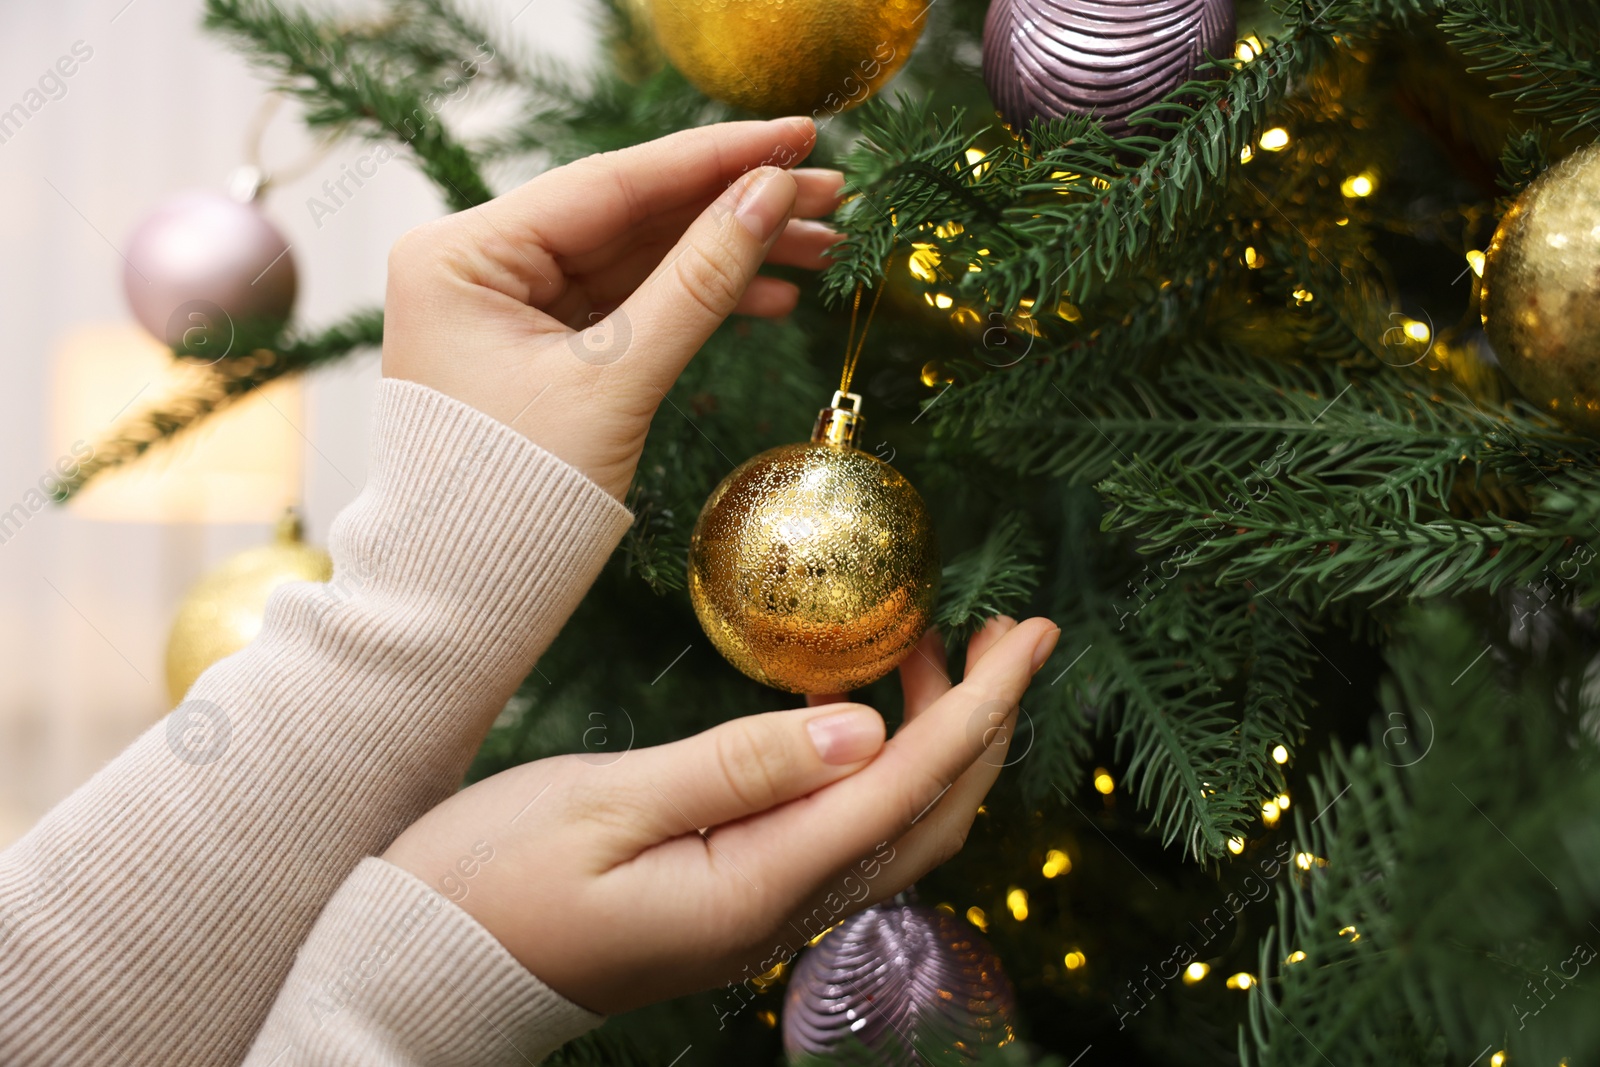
(201, 266)
(897, 982)
(1048, 59)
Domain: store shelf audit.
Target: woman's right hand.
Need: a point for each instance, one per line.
(678, 868)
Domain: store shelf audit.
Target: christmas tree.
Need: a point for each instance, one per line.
(1305, 780)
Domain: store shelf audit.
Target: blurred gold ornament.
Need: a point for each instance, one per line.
(223, 612)
(1541, 291)
(813, 567)
(788, 57)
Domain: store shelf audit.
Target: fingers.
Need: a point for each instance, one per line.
(819, 191)
(923, 762)
(804, 243)
(704, 277)
(574, 209)
(768, 298)
(741, 768)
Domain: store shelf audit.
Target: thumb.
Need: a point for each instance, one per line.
(700, 281)
(740, 768)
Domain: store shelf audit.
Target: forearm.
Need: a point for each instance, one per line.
(153, 915)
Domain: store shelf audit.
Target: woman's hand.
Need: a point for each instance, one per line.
(568, 307)
(670, 869)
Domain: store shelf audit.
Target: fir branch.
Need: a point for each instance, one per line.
(996, 578)
(319, 63)
(1450, 883)
(1544, 49)
(232, 379)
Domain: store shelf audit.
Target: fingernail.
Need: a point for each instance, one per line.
(765, 203)
(846, 737)
(1046, 645)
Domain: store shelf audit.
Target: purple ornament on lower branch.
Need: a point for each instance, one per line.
(898, 985)
(201, 266)
(1048, 59)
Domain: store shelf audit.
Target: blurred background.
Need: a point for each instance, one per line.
(88, 591)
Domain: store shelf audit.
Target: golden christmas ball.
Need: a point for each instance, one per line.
(1541, 291)
(788, 57)
(223, 612)
(813, 567)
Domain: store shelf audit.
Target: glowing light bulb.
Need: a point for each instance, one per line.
(1241, 980)
(977, 918)
(1303, 296)
(1304, 860)
(1498, 1059)
(1236, 845)
(1418, 331)
(1248, 49)
(1074, 960)
(1275, 139)
(1252, 258)
(1017, 901)
(1195, 972)
(1103, 782)
(1475, 261)
(1283, 801)
(1056, 863)
(940, 300)
(923, 262)
(1247, 153)
(1270, 813)
(1280, 754)
(1358, 185)
(1350, 931)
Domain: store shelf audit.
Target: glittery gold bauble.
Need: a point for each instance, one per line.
(789, 57)
(813, 567)
(1541, 291)
(223, 612)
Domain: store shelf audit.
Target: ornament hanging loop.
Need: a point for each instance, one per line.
(838, 425)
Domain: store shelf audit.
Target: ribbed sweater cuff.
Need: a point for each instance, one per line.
(394, 972)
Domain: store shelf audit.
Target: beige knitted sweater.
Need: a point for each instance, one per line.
(210, 896)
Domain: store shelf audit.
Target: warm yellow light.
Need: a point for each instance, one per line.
(1069, 311)
(1475, 261)
(1236, 845)
(1280, 754)
(1248, 49)
(1275, 139)
(1418, 331)
(940, 300)
(1103, 782)
(241, 465)
(1195, 972)
(1074, 960)
(1056, 863)
(1283, 801)
(1497, 1060)
(977, 918)
(1270, 813)
(1304, 860)
(1358, 185)
(1252, 258)
(923, 262)
(1247, 153)
(1017, 901)
(975, 161)
(1294, 957)
(768, 1018)
(1241, 981)
(1303, 296)
(1351, 932)
(949, 230)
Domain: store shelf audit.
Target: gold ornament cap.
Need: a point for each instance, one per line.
(838, 425)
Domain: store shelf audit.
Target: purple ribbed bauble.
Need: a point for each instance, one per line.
(1051, 58)
(896, 979)
(202, 264)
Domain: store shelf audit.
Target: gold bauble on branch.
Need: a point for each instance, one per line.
(788, 57)
(1541, 291)
(813, 567)
(223, 612)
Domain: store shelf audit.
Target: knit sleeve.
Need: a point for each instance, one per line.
(152, 916)
(395, 974)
